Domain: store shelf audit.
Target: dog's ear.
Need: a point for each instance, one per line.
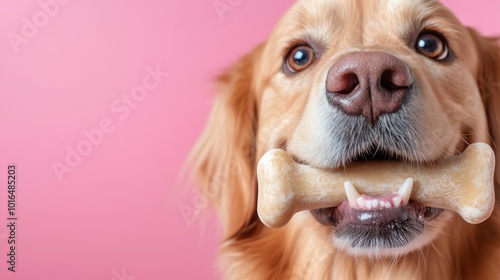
(224, 156)
(488, 80)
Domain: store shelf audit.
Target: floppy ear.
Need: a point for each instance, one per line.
(489, 85)
(224, 156)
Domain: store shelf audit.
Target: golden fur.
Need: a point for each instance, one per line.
(259, 108)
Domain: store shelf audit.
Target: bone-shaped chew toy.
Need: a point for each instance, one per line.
(462, 183)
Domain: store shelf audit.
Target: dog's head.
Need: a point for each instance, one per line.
(345, 81)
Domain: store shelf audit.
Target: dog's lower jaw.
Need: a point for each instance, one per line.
(429, 231)
(390, 231)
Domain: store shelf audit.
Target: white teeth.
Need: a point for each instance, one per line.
(361, 202)
(352, 194)
(405, 191)
(397, 201)
(401, 198)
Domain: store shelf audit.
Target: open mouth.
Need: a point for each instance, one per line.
(388, 221)
(397, 199)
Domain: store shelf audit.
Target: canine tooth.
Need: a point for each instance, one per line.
(397, 201)
(351, 193)
(405, 190)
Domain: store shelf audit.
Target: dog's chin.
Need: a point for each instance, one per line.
(429, 232)
(381, 233)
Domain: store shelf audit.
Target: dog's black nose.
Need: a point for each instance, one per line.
(369, 84)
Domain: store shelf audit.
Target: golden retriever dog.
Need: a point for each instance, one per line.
(340, 81)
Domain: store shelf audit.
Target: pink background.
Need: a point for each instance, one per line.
(117, 213)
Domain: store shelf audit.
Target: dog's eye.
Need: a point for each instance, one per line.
(432, 46)
(300, 58)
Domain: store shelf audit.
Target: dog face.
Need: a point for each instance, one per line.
(344, 81)
(373, 80)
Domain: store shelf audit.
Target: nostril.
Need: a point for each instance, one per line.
(344, 83)
(386, 81)
(368, 83)
(394, 80)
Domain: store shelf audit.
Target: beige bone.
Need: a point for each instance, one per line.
(462, 183)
